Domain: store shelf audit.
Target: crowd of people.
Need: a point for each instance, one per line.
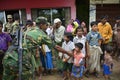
(72, 50)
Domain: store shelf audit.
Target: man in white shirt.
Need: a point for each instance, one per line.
(58, 30)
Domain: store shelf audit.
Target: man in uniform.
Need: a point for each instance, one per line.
(33, 38)
(8, 25)
(15, 25)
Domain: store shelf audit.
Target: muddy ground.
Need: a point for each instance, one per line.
(115, 74)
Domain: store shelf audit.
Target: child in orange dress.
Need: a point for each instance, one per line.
(78, 63)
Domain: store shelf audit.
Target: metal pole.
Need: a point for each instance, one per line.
(51, 15)
(20, 14)
(20, 52)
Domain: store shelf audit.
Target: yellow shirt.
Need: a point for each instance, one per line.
(105, 31)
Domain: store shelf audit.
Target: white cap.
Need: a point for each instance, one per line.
(57, 20)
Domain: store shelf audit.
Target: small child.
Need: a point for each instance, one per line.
(78, 64)
(83, 25)
(108, 63)
(68, 45)
(80, 38)
(48, 52)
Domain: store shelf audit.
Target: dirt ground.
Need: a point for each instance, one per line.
(115, 74)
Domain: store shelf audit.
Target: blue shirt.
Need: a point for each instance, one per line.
(93, 38)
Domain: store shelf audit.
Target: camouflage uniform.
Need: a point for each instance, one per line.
(15, 27)
(11, 68)
(38, 38)
(8, 27)
(33, 38)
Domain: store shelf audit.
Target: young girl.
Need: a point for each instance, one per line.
(69, 26)
(80, 38)
(108, 63)
(68, 45)
(78, 63)
(83, 25)
(48, 56)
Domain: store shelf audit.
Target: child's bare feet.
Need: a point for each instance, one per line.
(65, 78)
(40, 78)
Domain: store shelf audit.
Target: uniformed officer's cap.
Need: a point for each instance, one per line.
(9, 16)
(41, 20)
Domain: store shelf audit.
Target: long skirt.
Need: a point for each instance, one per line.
(94, 60)
(48, 59)
(42, 58)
